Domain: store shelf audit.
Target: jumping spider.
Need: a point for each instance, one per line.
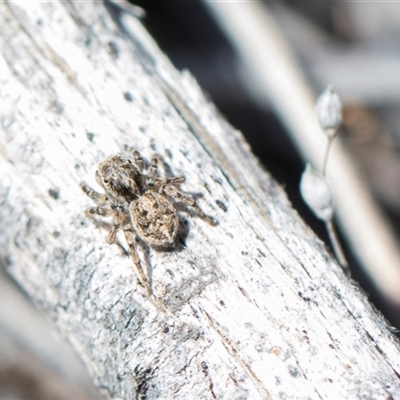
(139, 203)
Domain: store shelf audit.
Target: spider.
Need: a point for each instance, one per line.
(139, 203)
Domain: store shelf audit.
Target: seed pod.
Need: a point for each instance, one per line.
(329, 111)
(316, 193)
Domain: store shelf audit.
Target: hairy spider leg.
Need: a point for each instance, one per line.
(153, 167)
(175, 180)
(130, 240)
(112, 234)
(119, 219)
(160, 183)
(99, 198)
(184, 198)
(138, 159)
(103, 211)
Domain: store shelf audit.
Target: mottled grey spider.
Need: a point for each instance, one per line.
(139, 203)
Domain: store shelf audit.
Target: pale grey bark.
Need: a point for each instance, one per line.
(253, 308)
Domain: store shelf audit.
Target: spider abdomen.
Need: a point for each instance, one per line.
(155, 219)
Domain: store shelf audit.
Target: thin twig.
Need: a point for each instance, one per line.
(337, 248)
(330, 140)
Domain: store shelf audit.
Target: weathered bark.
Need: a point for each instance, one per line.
(253, 308)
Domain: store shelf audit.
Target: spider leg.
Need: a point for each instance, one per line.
(175, 180)
(106, 211)
(153, 167)
(95, 196)
(103, 211)
(130, 240)
(112, 234)
(184, 198)
(119, 219)
(138, 159)
(161, 183)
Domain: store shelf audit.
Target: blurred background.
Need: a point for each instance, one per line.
(353, 45)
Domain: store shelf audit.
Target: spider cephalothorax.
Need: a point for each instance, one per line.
(139, 202)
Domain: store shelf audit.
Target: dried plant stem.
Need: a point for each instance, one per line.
(337, 248)
(330, 140)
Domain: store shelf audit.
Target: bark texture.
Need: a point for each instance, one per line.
(254, 308)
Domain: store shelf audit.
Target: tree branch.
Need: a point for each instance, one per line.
(253, 308)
